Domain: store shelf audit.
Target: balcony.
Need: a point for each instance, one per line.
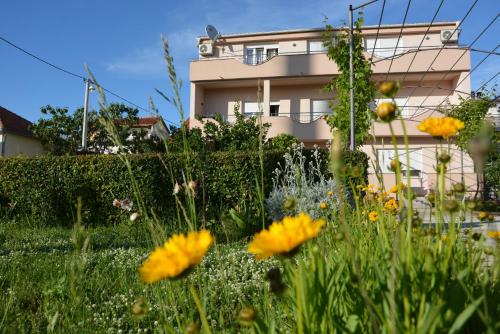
(318, 64)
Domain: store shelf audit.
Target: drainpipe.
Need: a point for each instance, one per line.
(2, 143)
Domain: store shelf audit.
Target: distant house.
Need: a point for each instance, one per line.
(16, 137)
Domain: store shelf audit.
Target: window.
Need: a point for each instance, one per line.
(415, 169)
(274, 108)
(320, 108)
(317, 47)
(401, 102)
(385, 46)
(251, 109)
(258, 54)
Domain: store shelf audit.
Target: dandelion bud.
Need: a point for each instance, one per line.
(274, 274)
(471, 205)
(289, 204)
(449, 192)
(247, 315)
(323, 206)
(339, 236)
(386, 111)
(491, 218)
(451, 205)
(459, 188)
(394, 165)
(444, 158)
(192, 328)
(278, 287)
(139, 308)
(388, 88)
(330, 194)
(356, 171)
(441, 168)
(476, 236)
(483, 215)
(134, 216)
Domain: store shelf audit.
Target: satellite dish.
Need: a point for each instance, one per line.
(212, 33)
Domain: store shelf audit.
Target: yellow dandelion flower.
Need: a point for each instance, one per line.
(330, 194)
(396, 187)
(179, 254)
(283, 237)
(391, 205)
(373, 216)
(494, 235)
(441, 127)
(323, 205)
(482, 215)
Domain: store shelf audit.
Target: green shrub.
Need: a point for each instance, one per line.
(45, 190)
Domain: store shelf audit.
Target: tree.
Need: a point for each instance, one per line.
(364, 89)
(61, 131)
(282, 141)
(479, 138)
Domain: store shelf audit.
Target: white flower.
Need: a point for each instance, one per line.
(134, 216)
(177, 188)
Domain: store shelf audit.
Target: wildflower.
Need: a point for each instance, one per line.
(483, 215)
(179, 254)
(125, 204)
(247, 315)
(397, 187)
(192, 328)
(371, 188)
(323, 205)
(451, 205)
(388, 88)
(330, 194)
(494, 235)
(192, 186)
(386, 111)
(394, 164)
(373, 216)
(282, 238)
(139, 308)
(134, 216)
(441, 127)
(177, 188)
(444, 158)
(391, 205)
(289, 204)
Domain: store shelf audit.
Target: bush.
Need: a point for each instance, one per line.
(45, 190)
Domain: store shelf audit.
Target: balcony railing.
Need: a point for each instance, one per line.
(298, 117)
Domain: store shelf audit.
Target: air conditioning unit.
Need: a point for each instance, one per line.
(206, 49)
(449, 36)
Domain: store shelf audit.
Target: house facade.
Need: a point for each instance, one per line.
(15, 136)
(280, 75)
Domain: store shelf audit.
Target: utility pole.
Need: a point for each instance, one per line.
(85, 115)
(352, 143)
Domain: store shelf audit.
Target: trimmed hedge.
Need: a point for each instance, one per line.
(44, 190)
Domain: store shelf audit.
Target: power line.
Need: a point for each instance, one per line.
(399, 38)
(441, 49)
(378, 29)
(461, 56)
(75, 75)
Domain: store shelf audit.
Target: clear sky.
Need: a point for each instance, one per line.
(120, 41)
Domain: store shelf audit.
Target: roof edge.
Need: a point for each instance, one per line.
(287, 31)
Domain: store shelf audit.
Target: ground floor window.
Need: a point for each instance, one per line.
(415, 168)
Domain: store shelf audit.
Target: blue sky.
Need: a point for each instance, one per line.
(120, 41)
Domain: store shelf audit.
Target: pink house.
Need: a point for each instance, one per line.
(292, 67)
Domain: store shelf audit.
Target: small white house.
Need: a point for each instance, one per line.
(16, 137)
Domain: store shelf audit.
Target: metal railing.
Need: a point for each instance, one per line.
(298, 117)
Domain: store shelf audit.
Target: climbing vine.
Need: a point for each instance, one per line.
(337, 43)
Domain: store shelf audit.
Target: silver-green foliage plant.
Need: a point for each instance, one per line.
(300, 186)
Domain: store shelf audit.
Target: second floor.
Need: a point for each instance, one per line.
(298, 53)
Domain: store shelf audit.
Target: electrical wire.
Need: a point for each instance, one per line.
(75, 75)
(378, 29)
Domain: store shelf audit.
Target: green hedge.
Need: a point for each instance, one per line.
(44, 190)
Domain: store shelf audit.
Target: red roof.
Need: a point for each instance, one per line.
(13, 123)
(142, 122)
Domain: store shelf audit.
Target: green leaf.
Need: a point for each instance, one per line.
(465, 315)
